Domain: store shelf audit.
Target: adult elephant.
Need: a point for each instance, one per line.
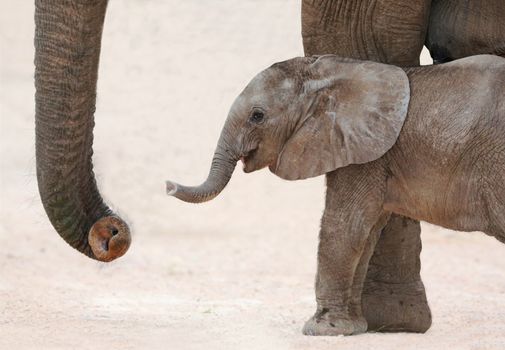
(394, 32)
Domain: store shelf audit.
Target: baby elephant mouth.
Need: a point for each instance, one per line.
(247, 160)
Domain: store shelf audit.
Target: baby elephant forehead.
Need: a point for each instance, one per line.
(288, 84)
(268, 82)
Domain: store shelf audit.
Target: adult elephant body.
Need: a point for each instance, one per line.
(378, 30)
(460, 28)
(394, 32)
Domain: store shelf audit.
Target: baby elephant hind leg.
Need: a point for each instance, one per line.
(394, 299)
(355, 308)
(491, 168)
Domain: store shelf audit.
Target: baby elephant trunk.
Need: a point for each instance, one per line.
(223, 165)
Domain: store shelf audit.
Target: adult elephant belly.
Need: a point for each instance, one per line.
(461, 28)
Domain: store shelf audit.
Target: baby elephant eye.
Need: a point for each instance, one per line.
(257, 117)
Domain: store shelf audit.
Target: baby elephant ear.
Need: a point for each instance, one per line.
(353, 114)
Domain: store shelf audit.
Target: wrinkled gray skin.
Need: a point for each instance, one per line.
(394, 31)
(388, 142)
(67, 48)
(459, 28)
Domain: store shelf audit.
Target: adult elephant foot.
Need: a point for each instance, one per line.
(393, 298)
(327, 322)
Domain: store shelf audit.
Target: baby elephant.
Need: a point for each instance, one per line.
(426, 142)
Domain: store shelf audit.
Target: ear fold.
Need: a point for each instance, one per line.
(354, 113)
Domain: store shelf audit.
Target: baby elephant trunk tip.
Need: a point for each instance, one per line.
(171, 188)
(198, 194)
(220, 173)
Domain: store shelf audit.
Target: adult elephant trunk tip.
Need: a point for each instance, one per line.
(109, 238)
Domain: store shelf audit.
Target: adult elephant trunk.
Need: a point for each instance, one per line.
(67, 48)
(223, 164)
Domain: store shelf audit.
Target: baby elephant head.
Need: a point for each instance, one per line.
(305, 117)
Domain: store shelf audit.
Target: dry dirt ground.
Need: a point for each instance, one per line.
(236, 273)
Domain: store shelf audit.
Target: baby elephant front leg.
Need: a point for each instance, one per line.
(353, 212)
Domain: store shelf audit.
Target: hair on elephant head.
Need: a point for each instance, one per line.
(305, 117)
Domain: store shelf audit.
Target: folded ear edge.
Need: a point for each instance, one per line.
(300, 159)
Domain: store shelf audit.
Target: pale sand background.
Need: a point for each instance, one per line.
(236, 273)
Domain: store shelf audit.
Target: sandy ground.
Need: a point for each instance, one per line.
(236, 273)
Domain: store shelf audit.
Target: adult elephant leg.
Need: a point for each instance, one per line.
(393, 297)
(390, 32)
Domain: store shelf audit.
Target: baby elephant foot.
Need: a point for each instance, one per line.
(327, 322)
